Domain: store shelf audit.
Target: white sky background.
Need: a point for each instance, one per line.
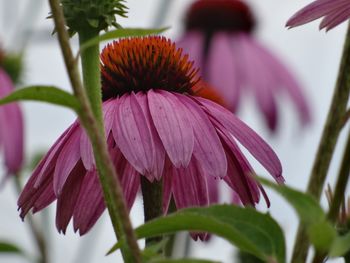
(312, 55)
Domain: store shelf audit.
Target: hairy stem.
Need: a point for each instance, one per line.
(37, 234)
(327, 144)
(109, 181)
(91, 72)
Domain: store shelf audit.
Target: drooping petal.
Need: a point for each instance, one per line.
(240, 172)
(128, 176)
(90, 203)
(192, 44)
(336, 17)
(213, 189)
(167, 185)
(159, 160)
(86, 152)
(284, 80)
(315, 10)
(67, 160)
(259, 78)
(227, 122)
(132, 134)
(67, 200)
(30, 194)
(221, 69)
(207, 149)
(47, 165)
(190, 186)
(12, 127)
(173, 126)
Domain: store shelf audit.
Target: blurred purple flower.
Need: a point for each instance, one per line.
(154, 128)
(334, 12)
(218, 38)
(11, 128)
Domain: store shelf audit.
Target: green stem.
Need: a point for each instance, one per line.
(339, 192)
(152, 203)
(91, 72)
(327, 144)
(112, 191)
(37, 234)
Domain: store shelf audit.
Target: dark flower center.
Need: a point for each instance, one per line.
(219, 15)
(141, 64)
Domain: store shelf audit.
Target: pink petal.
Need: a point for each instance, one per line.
(228, 122)
(47, 164)
(30, 194)
(213, 189)
(167, 185)
(314, 11)
(67, 160)
(190, 186)
(12, 127)
(89, 205)
(173, 127)
(336, 17)
(260, 78)
(159, 160)
(67, 200)
(208, 149)
(128, 176)
(86, 152)
(284, 80)
(108, 108)
(221, 69)
(192, 44)
(132, 134)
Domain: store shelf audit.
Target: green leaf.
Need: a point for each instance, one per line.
(119, 33)
(340, 246)
(48, 94)
(248, 229)
(322, 235)
(307, 208)
(6, 247)
(320, 231)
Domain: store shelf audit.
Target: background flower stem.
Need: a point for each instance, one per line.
(109, 181)
(152, 193)
(329, 138)
(37, 234)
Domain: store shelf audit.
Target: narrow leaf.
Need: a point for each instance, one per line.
(322, 235)
(48, 94)
(6, 247)
(248, 229)
(340, 246)
(119, 33)
(320, 231)
(307, 208)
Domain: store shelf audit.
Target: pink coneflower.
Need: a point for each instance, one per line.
(11, 128)
(155, 128)
(334, 12)
(218, 38)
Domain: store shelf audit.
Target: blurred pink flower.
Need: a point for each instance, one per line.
(154, 128)
(11, 128)
(218, 38)
(334, 12)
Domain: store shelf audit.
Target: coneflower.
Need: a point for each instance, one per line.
(218, 37)
(155, 128)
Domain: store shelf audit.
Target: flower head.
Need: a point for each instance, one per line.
(334, 12)
(11, 126)
(154, 128)
(218, 38)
